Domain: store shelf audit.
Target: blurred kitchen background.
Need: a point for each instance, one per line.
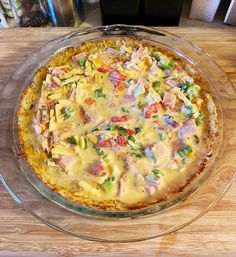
(75, 13)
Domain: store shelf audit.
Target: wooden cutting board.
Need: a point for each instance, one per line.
(214, 234)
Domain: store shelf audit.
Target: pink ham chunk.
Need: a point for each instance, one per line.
(116, 76)
(77, 57)
(189, 129)
(58, 72)
(52, 85)
(72, 94)
(97, 169)
(154, 70)
(37, 129)
(172, 83)
(169, 100)
(140, 87)
(112, 51)
(130, 165)
(65, 162)
(138, 54)
(129, 99)
(150, 190)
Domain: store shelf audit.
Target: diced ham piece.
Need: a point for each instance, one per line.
(150, 189)
(138, 54)
(116, 76)
(52, 85)
(139, 179)
(189, 129)
(151, 181)
(123, 49)
(58, 72)
(139, 88)
(129, 99)
(72, 94)
(112, 51)
(98, 169)
(188, 79)
(37, 129)
(154, 70)
(169, 99)
(178, 144)
(123, 118)
(178, 67)
(65, 162)
(170, 121)
(77, 57)
(130, 165)
(38, 116)
(160, 151)
(172, 83)
(117, 79)
(168, 72)
(128, 162)
(131, 65)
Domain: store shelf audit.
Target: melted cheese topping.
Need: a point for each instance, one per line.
(116, 120)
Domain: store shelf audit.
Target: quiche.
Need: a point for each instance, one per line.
(117, 124)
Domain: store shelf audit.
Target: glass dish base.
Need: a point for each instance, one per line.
(53, 210)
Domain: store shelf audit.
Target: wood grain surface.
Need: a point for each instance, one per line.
(214, 234)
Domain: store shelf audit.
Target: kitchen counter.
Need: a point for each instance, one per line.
(214, 234)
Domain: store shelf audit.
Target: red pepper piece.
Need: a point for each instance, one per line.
(151, 109)
(148, 114)
(103, 70)
(105, 143)
(90, 101)
(121, 141)
(99, 170)
(115, 75)
(130, 132)
(154, 108)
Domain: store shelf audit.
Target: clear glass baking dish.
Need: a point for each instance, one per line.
(94, 224)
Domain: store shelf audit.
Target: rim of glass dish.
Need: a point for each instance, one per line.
(95, 212)
(152, 218)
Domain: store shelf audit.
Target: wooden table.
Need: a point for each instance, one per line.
(22, 235)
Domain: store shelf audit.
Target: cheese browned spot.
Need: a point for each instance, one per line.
(116, 124)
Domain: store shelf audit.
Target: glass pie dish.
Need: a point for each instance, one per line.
(110, 226)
